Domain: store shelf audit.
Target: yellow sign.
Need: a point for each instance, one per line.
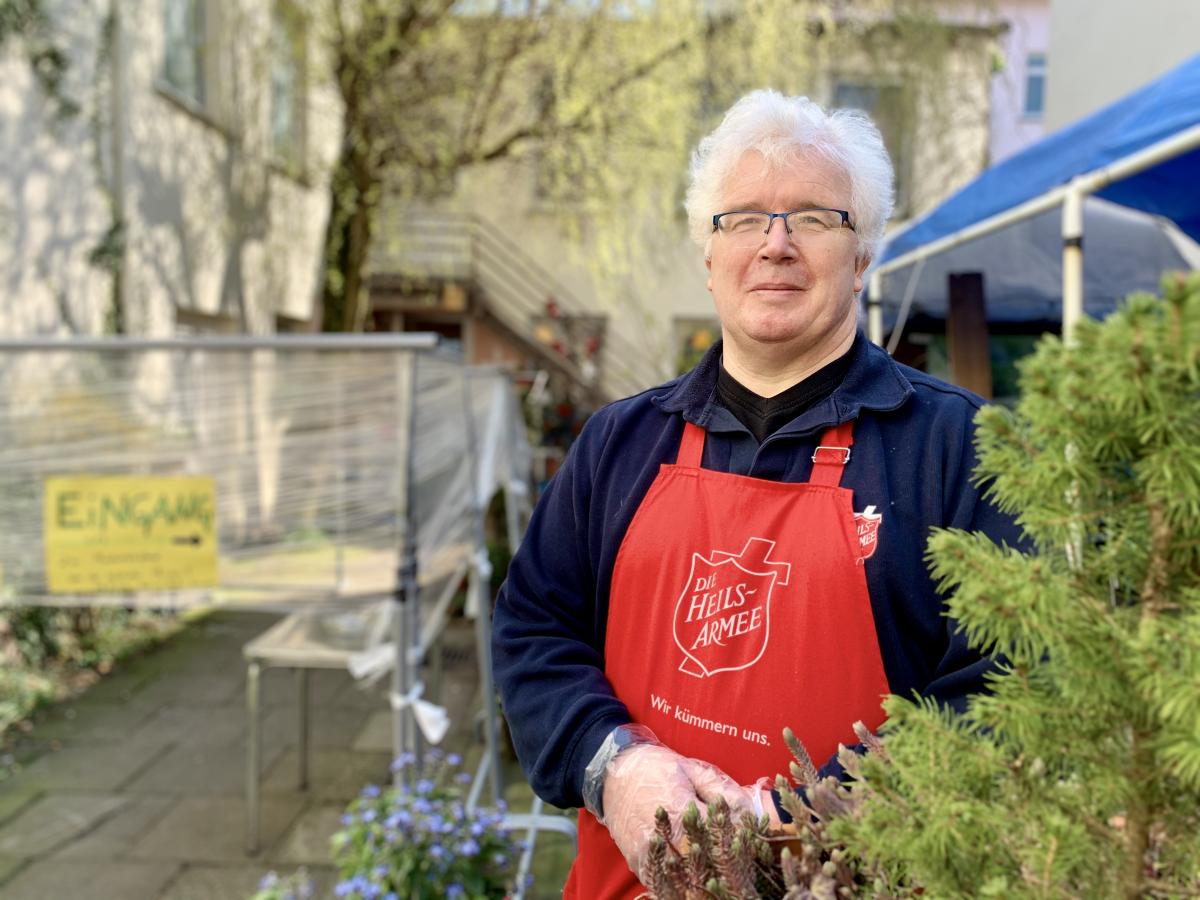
(129, 533)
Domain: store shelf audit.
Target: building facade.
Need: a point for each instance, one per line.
(1018, 92)
(187, 193)
(628, 316)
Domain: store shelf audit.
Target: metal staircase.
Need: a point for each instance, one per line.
(507, 284)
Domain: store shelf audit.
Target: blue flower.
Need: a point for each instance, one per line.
(371, 790)
(422, 806)
(424, 786)
(401, 818)
(454, 890)
(379, 871)
(500, 859)
(437, 851)
(468, 847)
(477, 829)
(345, 888)
(404, 760)
(463, 778)
(268, 881)
(454, 759)
(368, 815)
(348, 819)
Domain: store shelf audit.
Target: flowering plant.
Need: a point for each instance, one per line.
(418, 840)
(274, 886)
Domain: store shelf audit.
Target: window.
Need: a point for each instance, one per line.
(1035, 85)
(887, 107)
(183, 48)
(288, 71)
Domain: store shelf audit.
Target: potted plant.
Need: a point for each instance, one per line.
(419, 841)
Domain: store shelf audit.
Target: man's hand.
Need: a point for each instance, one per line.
(646, 776)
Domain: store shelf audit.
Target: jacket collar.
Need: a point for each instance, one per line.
(873, 382)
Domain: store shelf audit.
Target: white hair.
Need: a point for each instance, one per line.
(784, 129)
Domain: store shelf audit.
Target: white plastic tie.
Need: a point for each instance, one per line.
(482, 564)
(372, 662)
(433, 720)
(761, 785)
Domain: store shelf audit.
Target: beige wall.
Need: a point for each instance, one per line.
(214, 225)
(1104, 49)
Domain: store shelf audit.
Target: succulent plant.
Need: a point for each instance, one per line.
(720, 859)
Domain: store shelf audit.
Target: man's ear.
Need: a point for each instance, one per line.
(860, 267)
(708, 265)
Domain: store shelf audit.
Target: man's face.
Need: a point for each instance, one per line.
(796, 290)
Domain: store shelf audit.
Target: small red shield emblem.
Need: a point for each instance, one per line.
(722, 617)
(867, 525)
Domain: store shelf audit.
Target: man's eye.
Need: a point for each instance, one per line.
(814, 220)
(745, 223)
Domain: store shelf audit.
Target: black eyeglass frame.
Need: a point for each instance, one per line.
(772, 216)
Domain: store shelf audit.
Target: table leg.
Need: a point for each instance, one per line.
(253, 756)
(302, 692)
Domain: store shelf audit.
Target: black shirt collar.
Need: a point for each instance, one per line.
(872, 381)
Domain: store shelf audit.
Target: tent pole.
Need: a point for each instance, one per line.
(1072, 263)
(875, 309)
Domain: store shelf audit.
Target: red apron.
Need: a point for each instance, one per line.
(738, 606)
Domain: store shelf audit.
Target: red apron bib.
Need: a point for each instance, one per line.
(738, 606)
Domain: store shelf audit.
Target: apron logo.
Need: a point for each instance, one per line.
(722, 617)
(867, 524)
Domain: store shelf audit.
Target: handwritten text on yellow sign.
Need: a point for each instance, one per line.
(127, 533)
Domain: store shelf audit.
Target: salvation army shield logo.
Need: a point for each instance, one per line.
(722, 618)
(866, 524)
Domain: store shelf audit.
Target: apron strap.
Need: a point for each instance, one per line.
(832, 454)
(691, 448)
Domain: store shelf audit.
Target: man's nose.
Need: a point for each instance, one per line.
(777, 243)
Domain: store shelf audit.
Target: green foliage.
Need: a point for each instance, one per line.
(47, 652)
(1079, 774)
(419, 841)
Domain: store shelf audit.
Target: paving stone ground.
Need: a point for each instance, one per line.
(134, 791)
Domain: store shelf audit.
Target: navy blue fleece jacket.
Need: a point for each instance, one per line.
(912, 460)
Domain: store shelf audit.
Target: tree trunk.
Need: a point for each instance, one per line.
(354, 196)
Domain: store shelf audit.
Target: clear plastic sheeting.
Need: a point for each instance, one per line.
(324, 455)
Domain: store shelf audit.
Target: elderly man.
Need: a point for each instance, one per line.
(741, 549)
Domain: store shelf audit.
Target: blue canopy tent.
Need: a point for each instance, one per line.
(1141, 152)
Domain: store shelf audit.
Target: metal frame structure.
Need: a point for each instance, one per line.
(1070, 197)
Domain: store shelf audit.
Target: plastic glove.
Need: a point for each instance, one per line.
(644, 777)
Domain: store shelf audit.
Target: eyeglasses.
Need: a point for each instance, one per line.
(749, 226)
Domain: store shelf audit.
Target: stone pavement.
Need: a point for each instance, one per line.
(134, 791)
